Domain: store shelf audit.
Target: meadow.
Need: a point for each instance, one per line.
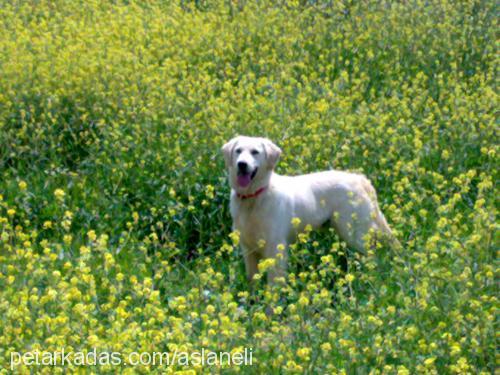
(114, 225)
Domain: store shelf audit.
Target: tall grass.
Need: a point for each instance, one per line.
(114, 226)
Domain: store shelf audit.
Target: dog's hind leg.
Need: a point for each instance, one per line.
(383, 231)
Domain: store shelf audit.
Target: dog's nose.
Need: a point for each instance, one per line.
(242, 166)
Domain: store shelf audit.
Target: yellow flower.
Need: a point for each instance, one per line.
(91, 235)
(278, 310)
(235, 237)
(59, 194)
(22, 185)
(429, 361)
(265, 264)
(326, 347)
(455, 349)
(304, 353)
(67, 239)
(84, 250)
(303, 300)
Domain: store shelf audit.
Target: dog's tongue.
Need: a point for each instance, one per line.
(244, 180)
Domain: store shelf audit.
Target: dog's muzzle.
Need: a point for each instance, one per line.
(244, 175)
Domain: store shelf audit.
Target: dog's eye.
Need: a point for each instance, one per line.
(254, 152)
(238, 151)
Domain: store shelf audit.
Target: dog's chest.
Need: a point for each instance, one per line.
(250, 221)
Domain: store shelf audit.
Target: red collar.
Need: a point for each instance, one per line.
(253, 195)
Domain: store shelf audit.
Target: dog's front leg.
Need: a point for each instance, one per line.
(276, 250)
(251, 259)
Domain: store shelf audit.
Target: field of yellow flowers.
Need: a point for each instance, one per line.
(114, 227)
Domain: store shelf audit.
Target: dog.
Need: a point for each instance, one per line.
(269, 210)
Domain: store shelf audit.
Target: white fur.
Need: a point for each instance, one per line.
(346, 200)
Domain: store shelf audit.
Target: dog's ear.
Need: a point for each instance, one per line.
(227, 151)
(273, 153)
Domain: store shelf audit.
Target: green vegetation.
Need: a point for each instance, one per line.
(114, 227)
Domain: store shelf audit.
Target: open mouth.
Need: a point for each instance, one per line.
(245, 178)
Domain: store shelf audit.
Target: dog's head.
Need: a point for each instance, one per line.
(250, 161)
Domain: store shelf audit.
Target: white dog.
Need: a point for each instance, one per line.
(264, 204)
